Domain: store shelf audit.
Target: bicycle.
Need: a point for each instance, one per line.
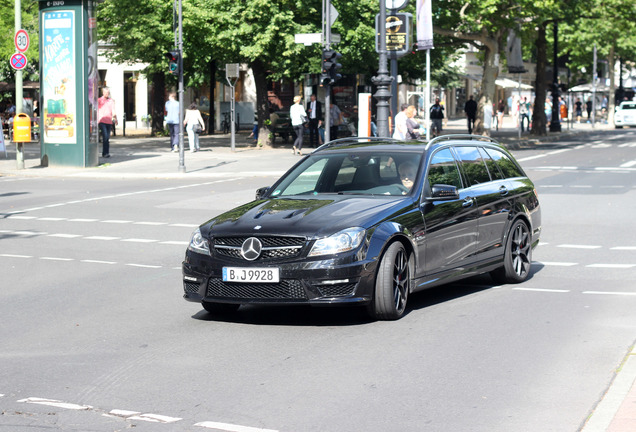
(225, 124)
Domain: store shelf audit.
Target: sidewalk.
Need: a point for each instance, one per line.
(136, 156)
(141, 156)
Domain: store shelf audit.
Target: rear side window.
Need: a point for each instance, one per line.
(473, 165)
(492, 166)
(505, 164)
(443, 170)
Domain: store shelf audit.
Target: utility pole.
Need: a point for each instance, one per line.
(19, 95)
(326, 31)
(182, 167)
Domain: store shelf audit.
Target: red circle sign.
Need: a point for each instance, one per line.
(18, 61)
(21, 40)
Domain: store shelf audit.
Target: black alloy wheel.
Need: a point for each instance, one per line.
(517, 256)
(392, 284)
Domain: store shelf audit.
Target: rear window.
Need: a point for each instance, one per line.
(473, 165)
(628, 106)
(505, 164)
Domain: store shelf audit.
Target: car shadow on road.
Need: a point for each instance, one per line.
(302, 315)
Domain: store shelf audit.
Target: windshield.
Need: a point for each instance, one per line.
(359, 173)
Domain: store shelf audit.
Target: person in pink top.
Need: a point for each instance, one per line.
(106, 117)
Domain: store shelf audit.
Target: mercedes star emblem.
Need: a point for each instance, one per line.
(251, 248)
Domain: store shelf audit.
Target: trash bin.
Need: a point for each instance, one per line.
(21, 128)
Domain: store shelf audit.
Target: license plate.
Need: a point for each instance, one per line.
(251, 274)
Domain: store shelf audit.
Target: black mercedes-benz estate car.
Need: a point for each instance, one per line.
(368, 221)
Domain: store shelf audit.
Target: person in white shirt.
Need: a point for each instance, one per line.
(401, 130)
(193, 118)
(298, 118)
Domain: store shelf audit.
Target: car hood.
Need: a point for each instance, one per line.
(315, 217)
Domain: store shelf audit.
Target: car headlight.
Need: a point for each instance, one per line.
(199, 244)
(342, 241)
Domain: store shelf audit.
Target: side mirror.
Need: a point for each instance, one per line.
(262, 192)
(444, 192)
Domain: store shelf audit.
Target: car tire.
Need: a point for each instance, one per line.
(392, 283)
(220, 308)
(517, 255)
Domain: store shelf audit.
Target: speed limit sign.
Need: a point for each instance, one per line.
(21, 40)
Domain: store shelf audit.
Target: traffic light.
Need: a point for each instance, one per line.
(173, 61)
(330, 67)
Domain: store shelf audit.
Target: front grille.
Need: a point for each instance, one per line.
(286, 289)
(190, 287)
(337, 289)
(281, 247)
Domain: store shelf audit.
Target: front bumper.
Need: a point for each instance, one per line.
(340, 280)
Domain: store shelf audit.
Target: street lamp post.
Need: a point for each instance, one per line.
(383, 79)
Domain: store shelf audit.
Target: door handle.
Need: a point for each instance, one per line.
(503, 191)
(468, 202)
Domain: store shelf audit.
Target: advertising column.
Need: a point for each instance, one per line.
(68, 71)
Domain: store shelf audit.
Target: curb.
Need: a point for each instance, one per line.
(616, 411)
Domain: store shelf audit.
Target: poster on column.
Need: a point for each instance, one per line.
(59, 80)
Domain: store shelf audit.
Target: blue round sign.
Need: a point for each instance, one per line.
(18, 61)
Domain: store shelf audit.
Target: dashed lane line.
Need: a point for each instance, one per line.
(540, 290)
(109, 221)
(139, 416)
(125, 194)
(611, 293)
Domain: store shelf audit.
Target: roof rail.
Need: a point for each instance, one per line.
(352, 140)
(461, 136)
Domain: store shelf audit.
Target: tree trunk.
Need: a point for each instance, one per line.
(212, 116)
(491, 71)
(539, 121)
(611, 100)
(158, 102)
(262, 105)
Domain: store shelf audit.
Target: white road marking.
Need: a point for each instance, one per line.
(184, 225)
(15, 216)
(612, 266)
(572, 246)
(180, 243)
(62, 235)
(231, 427)
(54, 219)
(143, 266)
(150, 223)
(541, 290)
(56, 259)
(105, 238)
(29, 233)
(97, 261)
(557, 264)
(610, 293)
(115, 221)
(624, 248)
(155, 418)
(137, 240)
(16, 256)
(55, 403)
(628, 164)
(83, 220)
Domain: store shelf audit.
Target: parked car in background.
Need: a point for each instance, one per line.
(369, 221)
(625, 114)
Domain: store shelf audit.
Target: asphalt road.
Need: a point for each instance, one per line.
(95, 335)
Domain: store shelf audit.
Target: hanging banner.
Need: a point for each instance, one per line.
(58, 70)
(424, 25)
(513, 53)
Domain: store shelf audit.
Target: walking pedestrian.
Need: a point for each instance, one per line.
(172, 120)
(400, 132)
(524, 112)
(106, 116)
(298, 117)
(501, 107)
(314, 111)
(578, 107)
(194, 125)
(437, 115)
(470, 108)
(336, 120)
(411, 125)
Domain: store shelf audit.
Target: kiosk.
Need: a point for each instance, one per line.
(68, 83)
